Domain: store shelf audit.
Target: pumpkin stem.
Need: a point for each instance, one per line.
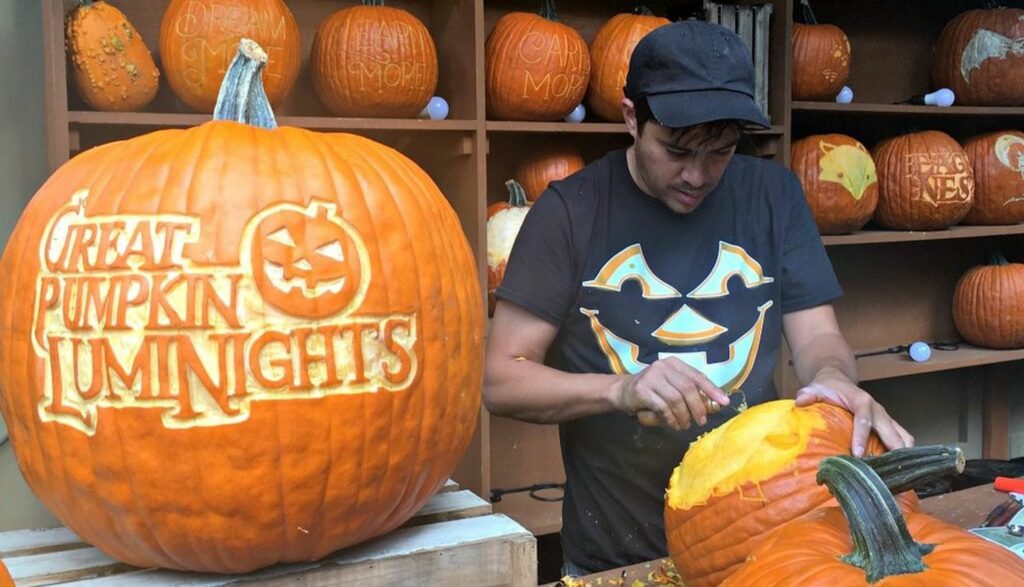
(805, 6)
(516, 193)
(997, 258)
(85, 2)
(547, 10)
(373, 2)
(907, 468)
(242, 97)
(882, 544)
(643, 10)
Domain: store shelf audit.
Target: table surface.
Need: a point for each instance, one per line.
(966, 508)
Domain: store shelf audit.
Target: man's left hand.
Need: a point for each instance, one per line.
(837, 389)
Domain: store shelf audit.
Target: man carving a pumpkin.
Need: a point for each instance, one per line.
(658, 278)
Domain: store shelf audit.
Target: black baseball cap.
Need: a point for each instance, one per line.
(692, 72)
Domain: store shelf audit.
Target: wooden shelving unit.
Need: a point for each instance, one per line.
(898, 284)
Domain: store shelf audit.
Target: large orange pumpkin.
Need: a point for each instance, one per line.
(998, 162)
(545, 164)
(373, 60)
(5, 576)
(866, 541)
(925, 181)
(609, 57)
(748, 476)
(112, 66)
(536, 67)
(977, 55)
(229, 346)
(504, 219)
(839, 181)
(198, 39)
(988, 304)
(821, 61)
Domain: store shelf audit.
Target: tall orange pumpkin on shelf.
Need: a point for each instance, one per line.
(978, 56)
(821, 59)
(545, 164)
(743, 479)
(537, 68)
(198, 39)
(504, 219)
(925, 181)
(987, 304)
(998, 162)
(235, 345)
(609, 57)
(373, 60)
(113, 69)
(839, 181)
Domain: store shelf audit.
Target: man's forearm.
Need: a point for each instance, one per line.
(828, 353)
(530, 391)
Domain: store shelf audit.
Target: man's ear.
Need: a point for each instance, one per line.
(629, 117)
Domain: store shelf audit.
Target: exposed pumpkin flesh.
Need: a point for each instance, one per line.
(760, 443)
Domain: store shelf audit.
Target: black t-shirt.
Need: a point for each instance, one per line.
(628, 281)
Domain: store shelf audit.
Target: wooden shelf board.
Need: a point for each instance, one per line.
(586, 127)
(173, 119)
(898, 365)
(894, 236)
(907, 109)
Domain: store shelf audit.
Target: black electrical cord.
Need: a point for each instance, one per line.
(497, 494)
(902, 348)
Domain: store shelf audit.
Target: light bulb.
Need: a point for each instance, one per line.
(920, 351)
(845, 95)
(577, 115)
(940, 97)
(436, 109)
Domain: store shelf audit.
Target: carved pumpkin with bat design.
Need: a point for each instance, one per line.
(980, 56)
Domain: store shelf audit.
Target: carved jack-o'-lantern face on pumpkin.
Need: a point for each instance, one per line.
(307, 261)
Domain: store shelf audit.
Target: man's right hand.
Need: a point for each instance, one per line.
(672, 390)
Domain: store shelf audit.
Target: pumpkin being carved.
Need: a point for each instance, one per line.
(987, 304)
(504, 219)
(751, 474)
(216, 356)
(821, 61)
(198, 38)
(112, 66)
(839, 181)
(545, 164)
(609, 55)
(537, 68)
(375, 61)
(998, 163)
(978, 56)
(925, 181)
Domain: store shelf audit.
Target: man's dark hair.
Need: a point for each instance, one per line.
(714, 129)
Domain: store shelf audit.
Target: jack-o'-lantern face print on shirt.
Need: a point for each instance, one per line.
(686, 325)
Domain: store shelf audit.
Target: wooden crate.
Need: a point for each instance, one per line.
(453, 540)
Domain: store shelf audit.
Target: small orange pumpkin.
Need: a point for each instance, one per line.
(276, 359)
(504, 219)
(536, 67)
(198, 39)
(545, 164)
(112, 66)
(839, 180)
(867, 541)
(821, 61)
(925, 181)
(976, 56)
(375, 61)
(609, 57)
(998, 162)
(750, 475)
(987, 304)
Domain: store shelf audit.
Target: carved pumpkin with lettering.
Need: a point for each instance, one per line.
(609, 54)
(925, 181)
(112, 66)
(198, 39)
(375, 61)
(217, 356)
(839, 181)
(537, 68)
(978, 55)
(998, 162)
